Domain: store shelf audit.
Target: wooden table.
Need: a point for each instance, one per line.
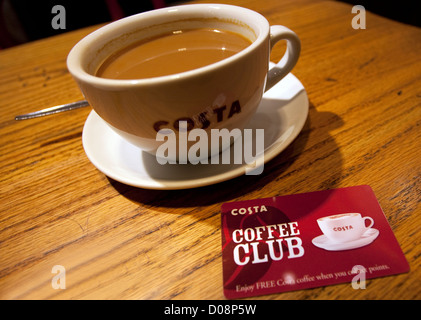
(121, 242)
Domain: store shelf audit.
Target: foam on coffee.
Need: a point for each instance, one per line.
(339, 216)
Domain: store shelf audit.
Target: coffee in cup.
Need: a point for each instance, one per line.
(173, 52)
(344, 227)
(222, 94)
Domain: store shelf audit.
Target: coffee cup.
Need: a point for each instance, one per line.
(223, 94)
(344, 227)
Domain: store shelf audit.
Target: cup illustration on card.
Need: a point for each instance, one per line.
(345, 231)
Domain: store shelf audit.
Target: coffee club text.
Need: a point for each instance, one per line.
(252, 242)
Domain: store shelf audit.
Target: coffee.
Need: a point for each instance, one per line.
(339, 216)
(178, 51)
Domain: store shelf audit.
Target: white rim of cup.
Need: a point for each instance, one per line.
(251, 18)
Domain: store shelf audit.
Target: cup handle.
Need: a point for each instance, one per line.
(290, 58)
(371, 224)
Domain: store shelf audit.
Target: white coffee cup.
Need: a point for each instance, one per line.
(133, 107)
(344, 227)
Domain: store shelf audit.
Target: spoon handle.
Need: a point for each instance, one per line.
(52, 110)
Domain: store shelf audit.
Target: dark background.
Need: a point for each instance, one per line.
(407, 11)
(28, 20)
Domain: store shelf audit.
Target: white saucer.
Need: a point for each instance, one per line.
(282, 114)
(368, 237)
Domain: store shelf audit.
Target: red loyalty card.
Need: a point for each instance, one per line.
(307, 240)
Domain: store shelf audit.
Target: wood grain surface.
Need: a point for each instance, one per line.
(121, 242)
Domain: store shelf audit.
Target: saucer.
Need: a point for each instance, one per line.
(281, 113)
(368, 237)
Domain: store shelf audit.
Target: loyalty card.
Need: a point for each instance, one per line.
(307, 240)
